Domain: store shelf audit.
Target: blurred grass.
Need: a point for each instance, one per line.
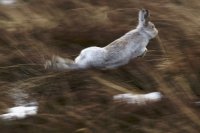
(81, 101)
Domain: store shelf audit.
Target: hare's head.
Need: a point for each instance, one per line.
(144, 25)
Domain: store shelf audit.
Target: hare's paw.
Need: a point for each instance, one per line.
(47, 64)
(53, 63)
(142, 52)
(50, 65)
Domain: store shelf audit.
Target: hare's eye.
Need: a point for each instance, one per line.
(152, 26)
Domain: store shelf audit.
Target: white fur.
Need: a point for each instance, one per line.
(117, 53)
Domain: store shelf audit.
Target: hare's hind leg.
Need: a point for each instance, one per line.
(58, 63)
(91, 57)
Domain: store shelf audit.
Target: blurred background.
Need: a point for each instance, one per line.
(31, 31)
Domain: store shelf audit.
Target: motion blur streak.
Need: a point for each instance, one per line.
(31, 31)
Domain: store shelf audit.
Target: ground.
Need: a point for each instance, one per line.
(82, 101)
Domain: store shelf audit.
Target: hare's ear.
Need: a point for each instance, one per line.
(143, 17)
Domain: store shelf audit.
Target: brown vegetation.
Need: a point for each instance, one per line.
(80, 102)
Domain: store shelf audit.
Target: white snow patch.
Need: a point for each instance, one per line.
(140, 99)
(20, 112)
(197, 103)
(7, 2)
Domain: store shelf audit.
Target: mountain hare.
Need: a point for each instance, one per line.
(117, 53)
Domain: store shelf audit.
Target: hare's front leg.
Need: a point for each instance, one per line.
(144, 52)
(139, 53)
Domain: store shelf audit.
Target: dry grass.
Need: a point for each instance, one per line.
(81, 102)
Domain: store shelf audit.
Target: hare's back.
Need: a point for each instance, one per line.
(92, 51)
